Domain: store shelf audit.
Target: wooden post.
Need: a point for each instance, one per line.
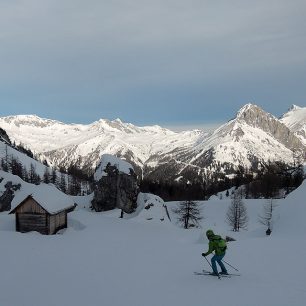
(17, 222)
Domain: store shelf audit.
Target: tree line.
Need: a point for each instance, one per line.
(269, 180)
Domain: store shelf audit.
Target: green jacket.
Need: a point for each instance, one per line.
(213, 246)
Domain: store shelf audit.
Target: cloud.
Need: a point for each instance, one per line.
(114, 52)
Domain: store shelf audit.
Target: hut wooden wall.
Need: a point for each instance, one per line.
(58, 221)
(32, 222)
(31, 217)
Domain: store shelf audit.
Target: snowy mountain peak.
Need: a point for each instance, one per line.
(118, 125)
(296, 113)
(256, 117)
(252, 114)
(29, 120)
(247, 107)
(113, 125)
(253, 135)
(294, 107)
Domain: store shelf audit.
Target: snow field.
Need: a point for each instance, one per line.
(143, 261)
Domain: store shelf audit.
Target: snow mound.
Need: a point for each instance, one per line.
(76, 224)
(150, 208)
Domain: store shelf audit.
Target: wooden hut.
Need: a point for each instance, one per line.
(42, 213)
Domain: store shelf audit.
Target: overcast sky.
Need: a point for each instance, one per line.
(168, 62)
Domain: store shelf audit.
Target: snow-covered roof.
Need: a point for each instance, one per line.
(47, 196)
(122, 165)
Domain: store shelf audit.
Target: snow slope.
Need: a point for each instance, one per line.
(6, 151)
(26, 161)
(104, 260)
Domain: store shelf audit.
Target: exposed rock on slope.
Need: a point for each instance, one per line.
(116, 185)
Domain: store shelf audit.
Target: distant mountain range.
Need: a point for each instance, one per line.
(252, 137)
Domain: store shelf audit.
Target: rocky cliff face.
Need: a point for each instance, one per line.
(4, 137)
(254, 116)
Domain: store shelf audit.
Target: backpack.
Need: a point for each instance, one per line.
(220, 244)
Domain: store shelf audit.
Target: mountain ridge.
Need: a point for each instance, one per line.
(253, 135)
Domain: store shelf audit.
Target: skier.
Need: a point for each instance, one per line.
(217, 244)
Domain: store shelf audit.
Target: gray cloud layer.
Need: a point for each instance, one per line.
(129, 58)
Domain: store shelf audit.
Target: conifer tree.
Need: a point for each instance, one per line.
(189, 213)
(53, 177)
(32, 174)
(62, 184)
(46, 177)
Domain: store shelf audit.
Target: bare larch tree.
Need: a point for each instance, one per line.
(266, 218)
(236, 215)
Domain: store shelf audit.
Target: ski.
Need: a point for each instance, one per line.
(205, 272)
(229, 274)
(209, 274)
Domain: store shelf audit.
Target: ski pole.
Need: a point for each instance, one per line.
(230, 265)
(211, 267)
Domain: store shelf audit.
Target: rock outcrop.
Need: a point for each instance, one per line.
(256, 117)
(4, 137)
(116, 186)
(7, 196)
